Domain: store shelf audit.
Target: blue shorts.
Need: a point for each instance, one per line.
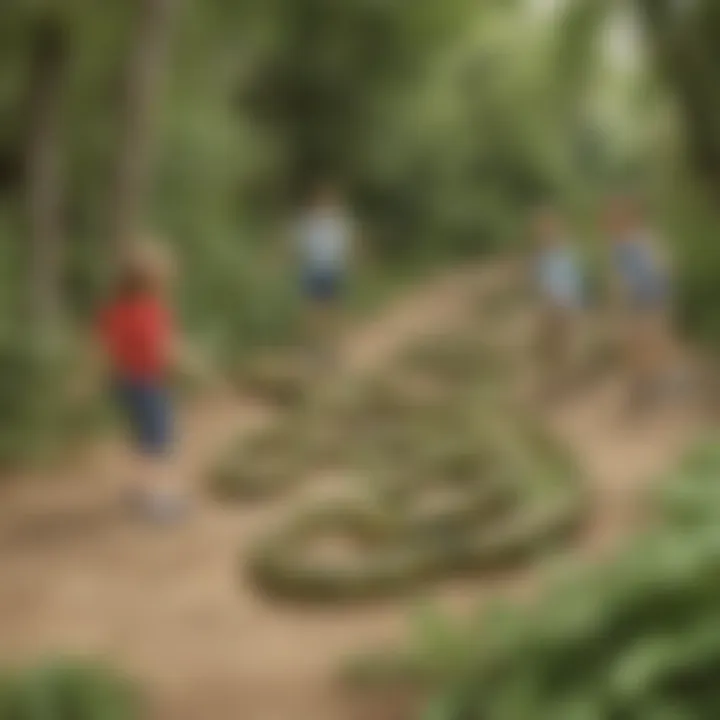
(147, 408)
(323, 285)
(650, 298)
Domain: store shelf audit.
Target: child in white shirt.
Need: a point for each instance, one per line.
(323, 242)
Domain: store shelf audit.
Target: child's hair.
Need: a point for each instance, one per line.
(622, 213)
(145, 268)
(322, 190)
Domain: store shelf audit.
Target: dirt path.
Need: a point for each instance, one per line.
(169, 605)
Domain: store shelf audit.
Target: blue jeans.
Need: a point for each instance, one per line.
(147, 408)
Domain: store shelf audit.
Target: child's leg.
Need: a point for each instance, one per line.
(552, 349)
(576, 344)
(333, 322)
(316, 326)
(325, 316)
(670, 371)
(636, 349)
(568, 349)
(543, 343)
(151, 476)
(156, 475)
(629, 349)
(313, 287)
(658, 346)
(329, 333)
(647, 358)
(156, 480)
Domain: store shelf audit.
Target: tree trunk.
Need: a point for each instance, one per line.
(42, 172)
(143, 84)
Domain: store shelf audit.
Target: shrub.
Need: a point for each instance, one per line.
(67, 690)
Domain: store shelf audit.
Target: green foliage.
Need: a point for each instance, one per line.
(692, 498)
(625, 641)
(67, 690)
(262, 98)
(693, 225)
(671, 129)
(636, 637)
(444, 121)
(40, 414)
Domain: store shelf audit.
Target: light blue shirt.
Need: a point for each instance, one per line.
(646, 282)
(324, 238)
(559, 277)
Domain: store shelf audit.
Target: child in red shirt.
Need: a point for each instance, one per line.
(138, 338)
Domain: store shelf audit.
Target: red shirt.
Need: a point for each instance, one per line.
(136, 333)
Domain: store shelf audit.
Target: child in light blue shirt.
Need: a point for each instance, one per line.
(558, 274)
(643, 277)
(559, 277)
(560, 288)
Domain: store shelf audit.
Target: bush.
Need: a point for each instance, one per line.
(67, 690)
(692, 496)
(40, 414)
(635, 638)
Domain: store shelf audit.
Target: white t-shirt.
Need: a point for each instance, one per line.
(324, 238)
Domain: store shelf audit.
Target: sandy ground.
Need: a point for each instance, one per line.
(171, 606)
